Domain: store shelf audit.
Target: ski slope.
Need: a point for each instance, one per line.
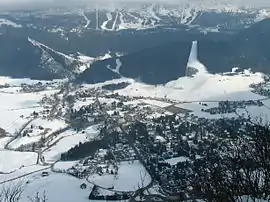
(138, 16)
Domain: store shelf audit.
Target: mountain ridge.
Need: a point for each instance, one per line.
(146, 52)
(136, 16)
(218, 56)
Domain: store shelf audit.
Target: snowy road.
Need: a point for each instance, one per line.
(24, 175)
(39, 154)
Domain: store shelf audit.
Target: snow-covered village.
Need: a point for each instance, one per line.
(134, 101)
(123, 139)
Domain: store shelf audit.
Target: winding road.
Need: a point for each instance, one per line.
(53, 112)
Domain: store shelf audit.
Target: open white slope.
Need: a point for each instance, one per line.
(130, 175)
(11, 160)
(199, 85)
(203, 87)
(15, 109)
(58, 187)
(19, 174)
(68, 140)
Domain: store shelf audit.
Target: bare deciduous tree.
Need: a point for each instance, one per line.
(11, 194)
(242, 173)
(39, 198)
(14, 193)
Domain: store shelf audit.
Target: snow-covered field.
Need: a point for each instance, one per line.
(48, 127)
(155, 103)
(20, 141)
(202, 87)
(71, 138)
(205, 87)
(16, 82)
(58, 187)
(196, 109)
(107, 101)
(83, 102)
(12, 160)
(15, 108)
(157, 115)
(260, 115)
(62, 166)
(21, 172)
(4, 141)
(196, 106)
(189, 91)
(54, 153)
(128, 178)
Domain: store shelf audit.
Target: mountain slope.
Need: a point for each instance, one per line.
(158, 65)
(19, 58)
(56, 37)
(215, 15)
(25, 57)
(133, 16)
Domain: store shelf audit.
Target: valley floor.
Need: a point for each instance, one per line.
(42, 121)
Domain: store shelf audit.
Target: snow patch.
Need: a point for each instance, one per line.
(117, 68)
(4, 141)
(155, 103)
(204, 87)
(109, 18)
(62, 166)
(18, 142)
(160, 139)
(9, 23)
(69, 140)
(12, 160)
(58, 187)
(133, 173)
